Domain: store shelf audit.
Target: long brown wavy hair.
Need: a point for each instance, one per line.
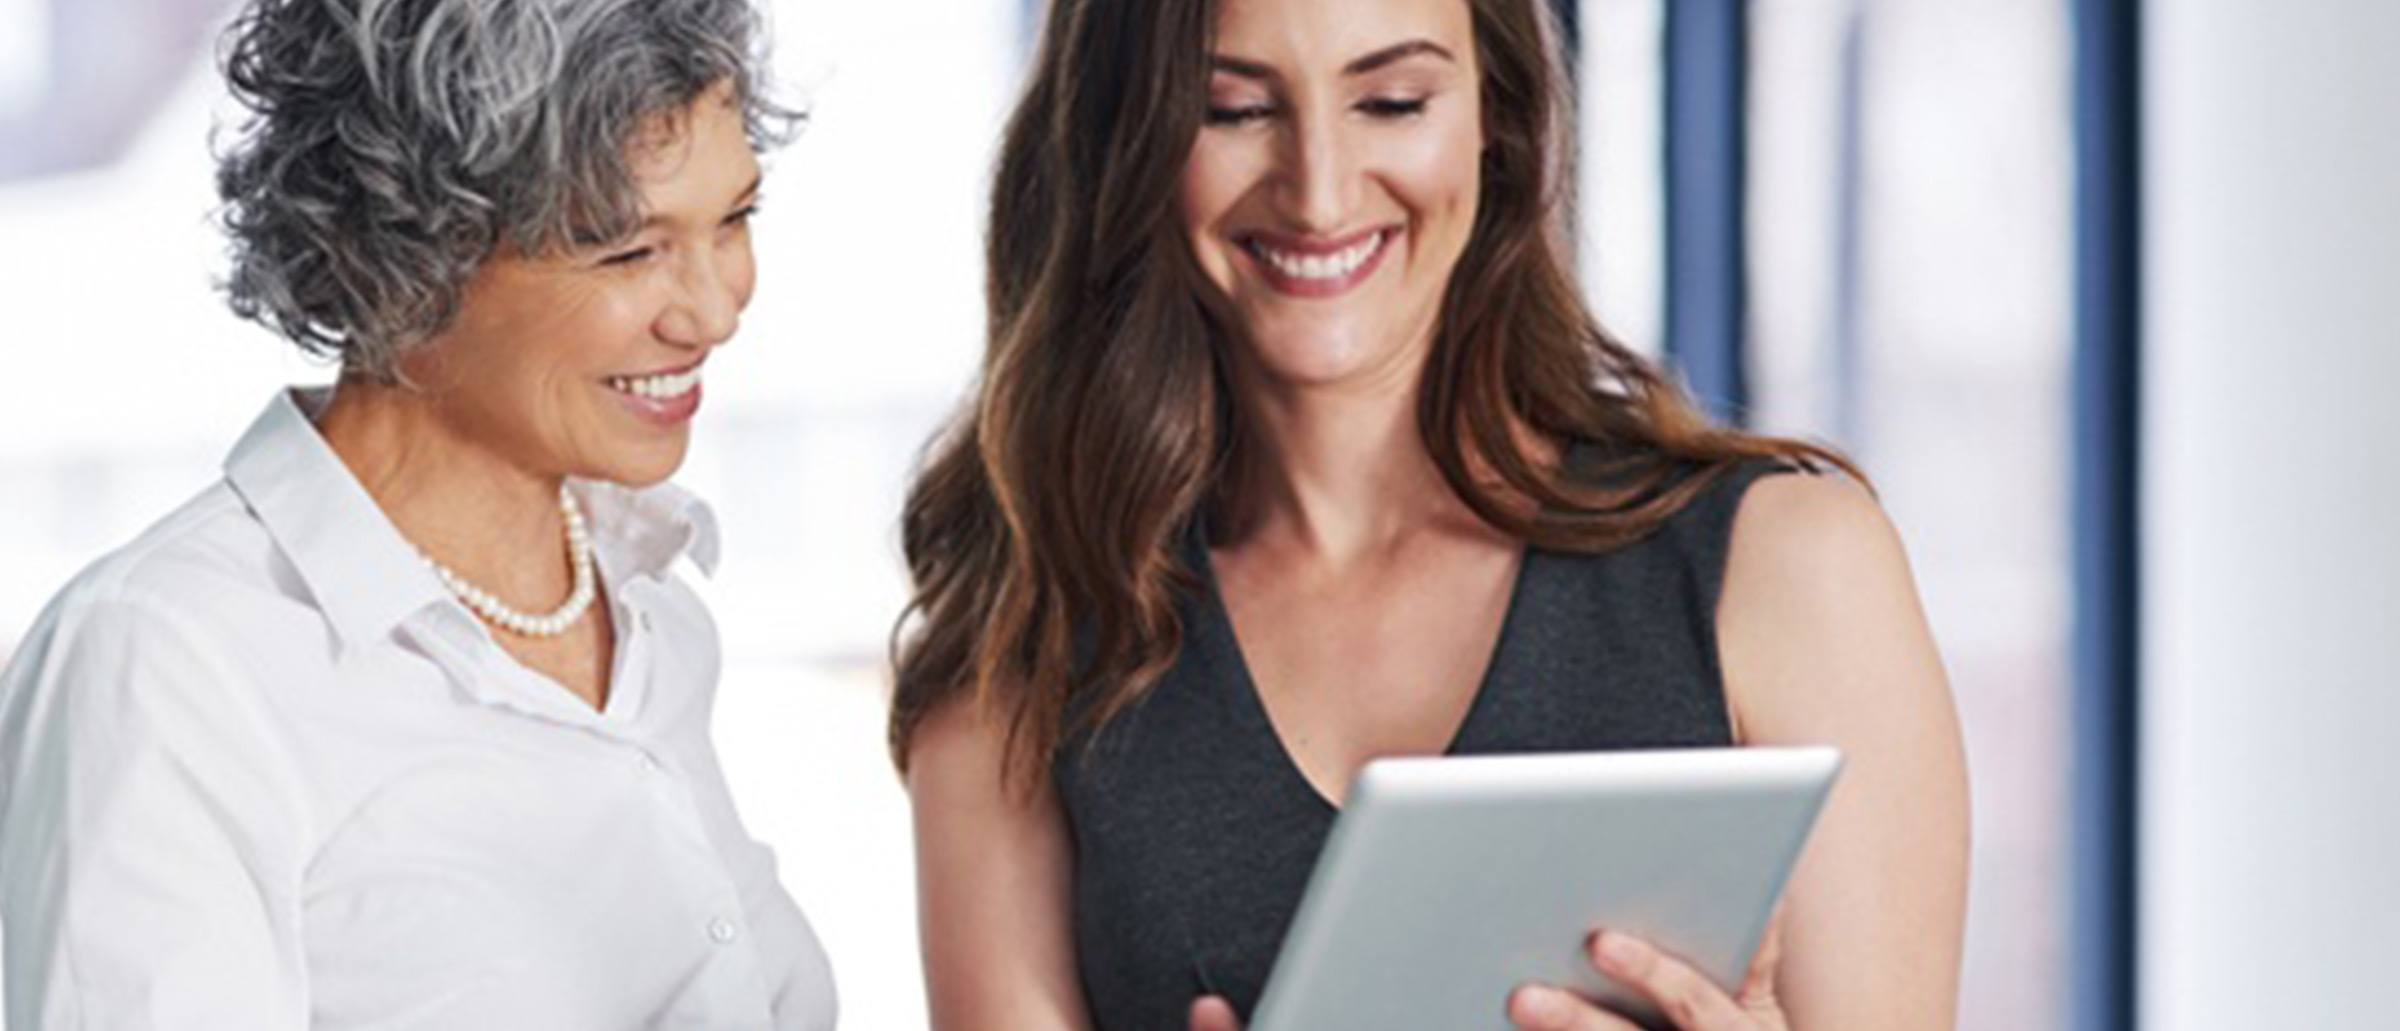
(1042, 532)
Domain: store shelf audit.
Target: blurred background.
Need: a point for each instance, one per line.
(2103, 295)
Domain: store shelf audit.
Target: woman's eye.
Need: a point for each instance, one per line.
(1392, 107)
(743, 216)
(1238, 115)
(634, 256)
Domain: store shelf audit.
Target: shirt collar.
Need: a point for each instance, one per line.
(366, 576)
(646, 529)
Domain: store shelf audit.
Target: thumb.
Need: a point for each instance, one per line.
(1758, 986)
(1213, 1013)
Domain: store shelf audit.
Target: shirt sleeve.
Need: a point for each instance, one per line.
(151, 830)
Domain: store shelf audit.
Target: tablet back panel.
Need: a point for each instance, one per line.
(1449, 881)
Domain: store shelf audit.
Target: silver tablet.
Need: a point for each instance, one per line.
(1449, 881)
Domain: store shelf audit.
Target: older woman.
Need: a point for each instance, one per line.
(1296, 447)
(405, 722)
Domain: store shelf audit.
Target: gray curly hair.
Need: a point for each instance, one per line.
(392, 146)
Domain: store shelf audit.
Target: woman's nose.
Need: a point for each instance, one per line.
(1319, 176)
(708, 303)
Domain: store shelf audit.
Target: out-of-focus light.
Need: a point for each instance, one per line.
(24, 53)
(1623, 182)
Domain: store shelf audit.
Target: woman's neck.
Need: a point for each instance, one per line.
(1341, 471)
(454, 497)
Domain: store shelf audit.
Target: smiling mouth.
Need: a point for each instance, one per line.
(1318, 271)
(665, 386)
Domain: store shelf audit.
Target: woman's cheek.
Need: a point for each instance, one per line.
(1202, 197)
(1439, 170)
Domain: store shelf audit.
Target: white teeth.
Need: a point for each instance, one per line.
(671, 385)
(1321, 266)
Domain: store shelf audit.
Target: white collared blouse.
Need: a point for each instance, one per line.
(258, 770)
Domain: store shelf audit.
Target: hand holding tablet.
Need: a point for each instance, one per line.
(1667, 985)
(1450, 885)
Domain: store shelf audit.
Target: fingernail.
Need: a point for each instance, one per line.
(1545, 1004)
(1619, 949)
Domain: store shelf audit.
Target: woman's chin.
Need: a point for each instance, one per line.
(1324, 358)
(644, 466)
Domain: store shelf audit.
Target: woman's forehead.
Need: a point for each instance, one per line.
(701, 157)
(1326, 35)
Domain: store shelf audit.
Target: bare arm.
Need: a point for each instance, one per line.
(993, 885)
(1823, 641)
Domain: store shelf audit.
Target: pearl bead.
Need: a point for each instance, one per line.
(579, 597)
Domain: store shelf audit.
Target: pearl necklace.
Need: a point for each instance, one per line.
(579, 552)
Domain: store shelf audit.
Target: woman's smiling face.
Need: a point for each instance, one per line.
(1334, 182)
(588, 363)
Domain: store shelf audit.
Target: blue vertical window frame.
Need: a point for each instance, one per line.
(2106, 404)
(1849, 236)
(1707, 50)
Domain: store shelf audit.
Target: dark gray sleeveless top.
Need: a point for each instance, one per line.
(1194, 833)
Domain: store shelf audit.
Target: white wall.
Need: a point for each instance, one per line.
(2271, 836)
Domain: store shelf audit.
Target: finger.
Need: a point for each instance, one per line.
(1539, 1007)
(1683, 994)
(1213, 1013)
(1758, 985)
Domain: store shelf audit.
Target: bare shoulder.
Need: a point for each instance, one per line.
(958, 768)
(1819, 606)
(957, 744)
(1809, 533)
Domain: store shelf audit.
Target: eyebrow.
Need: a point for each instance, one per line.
(1397, 53)
(1393, 54)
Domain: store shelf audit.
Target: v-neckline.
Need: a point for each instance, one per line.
(1255, 705)
(542, 694)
